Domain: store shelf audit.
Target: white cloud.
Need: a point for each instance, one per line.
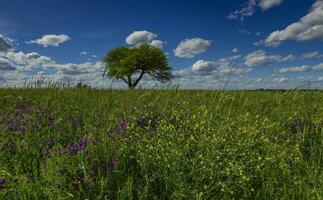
(16, 67)
(302, 68)
(309, 27)
(281, 79)
(314, 54)
(318, 67)
(249, 8)
(189, 48)
(260, 58)
(289, 58)
(244, 31)
(41, 73)
(228, 66)
(84, 53)
(202, 65)
(25, 62)
(77, 69)
(267, 4)
(50, 40)
(89, 55)
(140, 37)
(220, 67)
(5, 43)
(144, 37)
(5, 64)
(235, 50)
(157, 43)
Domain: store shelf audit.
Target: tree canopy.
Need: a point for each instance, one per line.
(131, 64)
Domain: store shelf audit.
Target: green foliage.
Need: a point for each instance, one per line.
(99, 144)
(131, 64)
(81, 85)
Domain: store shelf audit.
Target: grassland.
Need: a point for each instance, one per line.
(168, 144)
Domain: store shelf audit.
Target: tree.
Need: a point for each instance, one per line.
(81, 85)
(131, 64)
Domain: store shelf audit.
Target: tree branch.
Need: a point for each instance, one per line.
(124, 80)
(139, 78)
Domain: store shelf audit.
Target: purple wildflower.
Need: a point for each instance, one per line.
(110, 132)
(2, 182)
(82, 144)
(104, 166)
(122, 126)
(13, 125)
(49, 145)
(112, 165)
(74, 148)
(96, 140)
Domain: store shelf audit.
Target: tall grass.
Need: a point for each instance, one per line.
(160, 144)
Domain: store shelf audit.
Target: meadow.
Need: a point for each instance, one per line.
(160, 144)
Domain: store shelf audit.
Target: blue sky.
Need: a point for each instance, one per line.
(272, 43)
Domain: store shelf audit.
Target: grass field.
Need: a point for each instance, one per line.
(167, 144)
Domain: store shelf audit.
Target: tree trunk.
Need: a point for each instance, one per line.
(139, 78)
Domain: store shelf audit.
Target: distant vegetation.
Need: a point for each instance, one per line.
(81, 85)
(166, 144)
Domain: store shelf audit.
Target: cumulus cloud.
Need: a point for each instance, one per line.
(267, 4)
(5, 43)
(281, 79)
(249, 8)
(318, 67)
(289, 58)
(220, 67)
(77, 69)
(260, 58)
(302, 68)
(314, 54)
(140, 37)
(189, 48)
(228, 66)
(157, 43)
(16, 67)
(210, 74)
(5, 65)
(25, 62)
(202, 65)
(309, 27)
(28, 62)
(144, 37)
(51, 40)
